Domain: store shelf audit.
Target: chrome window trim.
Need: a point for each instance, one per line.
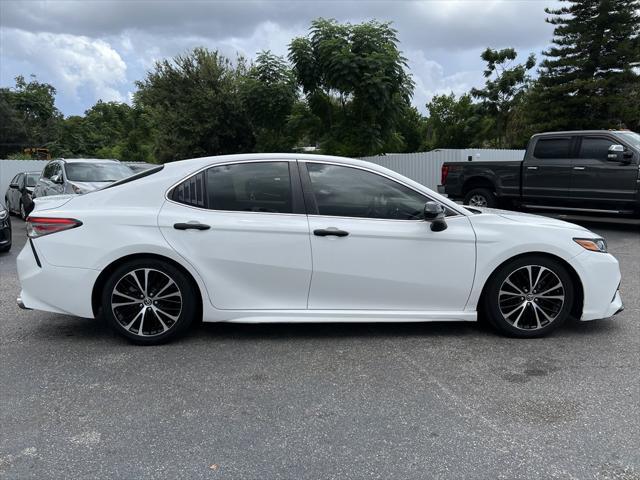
(326, 162)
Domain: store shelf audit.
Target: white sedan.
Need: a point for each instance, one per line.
(304, 238)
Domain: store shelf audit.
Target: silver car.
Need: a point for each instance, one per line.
(79, 175)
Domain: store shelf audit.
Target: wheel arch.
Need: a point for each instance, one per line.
(109, 269)
(578, 304)
(478, 182)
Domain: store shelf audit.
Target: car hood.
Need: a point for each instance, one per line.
(530, 219)
(90, 186)
(51, 202)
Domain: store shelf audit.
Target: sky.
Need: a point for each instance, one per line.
(97, 49)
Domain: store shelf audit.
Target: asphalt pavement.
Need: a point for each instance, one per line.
(387, 401)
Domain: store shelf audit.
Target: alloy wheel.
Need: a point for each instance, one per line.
(146, 302)
(531, 297)
(478, 201)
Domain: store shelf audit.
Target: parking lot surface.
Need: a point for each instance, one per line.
(322, 401)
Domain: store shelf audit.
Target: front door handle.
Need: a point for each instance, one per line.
(532, 168)
(325, 232)
(578, 168)
(191, 226)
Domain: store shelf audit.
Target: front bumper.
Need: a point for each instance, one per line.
(600, 276)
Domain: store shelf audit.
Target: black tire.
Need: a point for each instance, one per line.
(480, 197)
(166, 318)
(529, 314)
(5, 248)
(6, 203)
(23, 212)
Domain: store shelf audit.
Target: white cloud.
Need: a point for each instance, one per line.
(431, 79)
(71, 63)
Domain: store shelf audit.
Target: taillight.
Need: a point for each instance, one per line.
(40, 226)
(445, 172)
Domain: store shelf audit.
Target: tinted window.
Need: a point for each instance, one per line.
(351, 192)
(552, 148)
(32, 179)
(244, 187)
(48, 170)
(597, 148)
(250, 187)
(97, 172)
(191, 191)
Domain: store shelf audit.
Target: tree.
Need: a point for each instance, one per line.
(194, 105)
(453, 122)
(269, 93)
(29, 115)
(355, 83)
(503, 88)
(587, 79)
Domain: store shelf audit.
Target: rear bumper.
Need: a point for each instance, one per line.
(54, 289)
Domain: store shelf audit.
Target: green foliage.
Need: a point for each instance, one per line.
(29, 115)
(269, 92)
(355, 82)
(587, 79)
(454, 122)
(503, 90)
(194, 106)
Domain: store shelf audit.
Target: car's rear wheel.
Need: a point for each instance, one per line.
(23, 213)
(480, 197)
(148, 301)
(529, 296)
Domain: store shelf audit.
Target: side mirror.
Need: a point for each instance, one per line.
(14, 185)
(56, 179)
(434, 213)
(618, 154)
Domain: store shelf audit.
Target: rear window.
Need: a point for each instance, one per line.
(553, 148)
(97, 172)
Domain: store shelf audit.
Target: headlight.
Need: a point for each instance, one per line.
(3, 214)
(592, 244)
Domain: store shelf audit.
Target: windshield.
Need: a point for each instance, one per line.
(32, 179)
(97, 172)
(630, 137)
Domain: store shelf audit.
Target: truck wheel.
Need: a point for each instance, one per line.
(480, 197)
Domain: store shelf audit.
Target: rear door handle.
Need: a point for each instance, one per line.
(191, 226)
(578, 168)
(325, 232)
(532, 168)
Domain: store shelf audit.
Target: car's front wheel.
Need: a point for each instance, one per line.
(148, 301)
(529, 296)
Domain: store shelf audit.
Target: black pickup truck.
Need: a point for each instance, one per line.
(590, 171)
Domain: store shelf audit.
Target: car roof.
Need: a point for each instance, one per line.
(194, 163)
(578, 132)
(87, 160)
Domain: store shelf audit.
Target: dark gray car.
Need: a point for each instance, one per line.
(18, 196)
(78, 176)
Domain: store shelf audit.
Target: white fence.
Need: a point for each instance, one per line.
(10, 168)
(425, 167)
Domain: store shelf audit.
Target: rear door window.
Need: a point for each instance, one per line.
(553, 148)
(239, 187)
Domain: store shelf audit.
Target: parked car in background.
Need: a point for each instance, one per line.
(137, 167)
(18, 196)
(5, 229)
(590, 171)
(78, 175)
(304, 238)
